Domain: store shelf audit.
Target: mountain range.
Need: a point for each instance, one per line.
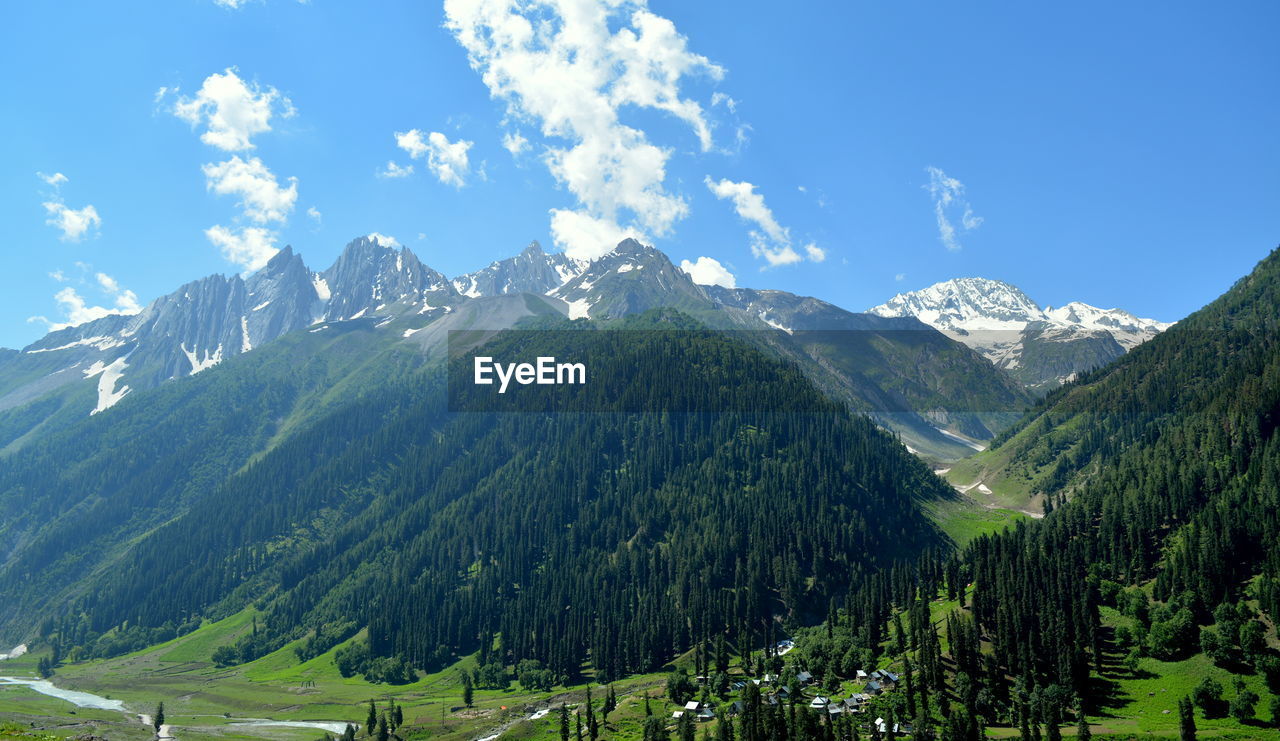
(912, 379)
(316, 487)
(1040, 347)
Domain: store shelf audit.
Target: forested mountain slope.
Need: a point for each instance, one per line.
(594, 535)
(1162, 549)
(1168, 462)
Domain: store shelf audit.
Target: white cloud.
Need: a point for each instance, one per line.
(750, 206)
(411, 142)
(725, 100)
(58, 275)
(582, 233)
(73, 223)
(769, 240)
(708, 271)
(55, 180)
(569, 67)
(948, 197)
(261, 197)
(900, 277)
(249, 247)
(383, 239)
(395, 171)
(314, 214)
(514, 143)
(232, 111)
(447, 160)
(76, 309)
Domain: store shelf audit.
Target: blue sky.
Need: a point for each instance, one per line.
(1102, 152)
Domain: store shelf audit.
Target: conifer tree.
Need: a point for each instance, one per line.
(1186, 720)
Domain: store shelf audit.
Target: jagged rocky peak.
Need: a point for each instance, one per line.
(282, 297)
(531, 271)
(370, 275)
(630, 279)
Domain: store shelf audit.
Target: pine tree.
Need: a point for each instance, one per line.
(397, 714)
(468, 694)
(593, 727)
(564, 722)
(1082, 727)
(383, 732)
(1186, 720)
(158, 720)
(724, 729)
(685, 727)
(349, 733)
(371, 720)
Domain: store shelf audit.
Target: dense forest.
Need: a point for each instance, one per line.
(1164, 476)
(613, 537)
(723, 501)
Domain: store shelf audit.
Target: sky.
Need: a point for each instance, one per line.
(1120, 154)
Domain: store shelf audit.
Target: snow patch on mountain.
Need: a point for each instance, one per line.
(201, 363)
(580, 309)
(108, 375)
(321, 286)
(100, 343)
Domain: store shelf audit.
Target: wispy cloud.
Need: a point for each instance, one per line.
(395, 171)
(769, 240)
(73, 223)
(55, 180)
(949, 201)
(568, 68)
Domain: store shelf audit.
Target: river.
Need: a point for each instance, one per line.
(90, 700)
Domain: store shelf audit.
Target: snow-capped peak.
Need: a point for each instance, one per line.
(1001, 322)
(966, 304)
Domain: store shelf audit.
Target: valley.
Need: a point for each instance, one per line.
(353, 540)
